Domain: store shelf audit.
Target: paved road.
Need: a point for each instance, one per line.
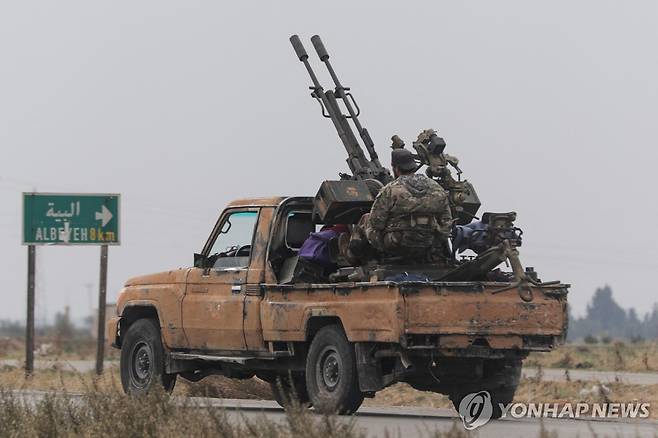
(560, 375)
(416, 422)
(549, 374)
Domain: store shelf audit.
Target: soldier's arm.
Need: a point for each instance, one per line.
(444, 218)
(378, 218)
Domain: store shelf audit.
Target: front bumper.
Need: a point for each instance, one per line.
(113, 331)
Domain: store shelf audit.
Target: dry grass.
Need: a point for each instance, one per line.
(401, 394)
(99, 413)
(57, 380)
(618, 356)
(100, 409)
(102, 403)
(53, 348)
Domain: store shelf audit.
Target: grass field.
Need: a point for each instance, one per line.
(616, 356)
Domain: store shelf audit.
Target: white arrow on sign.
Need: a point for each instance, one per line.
(104, 215)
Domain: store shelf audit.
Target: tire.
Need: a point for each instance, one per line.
(142, 360)
(331, 375)
(507, 371)
(502, 395)
(290, 389)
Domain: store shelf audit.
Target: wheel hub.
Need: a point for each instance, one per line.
(330, 369)
(142, 360)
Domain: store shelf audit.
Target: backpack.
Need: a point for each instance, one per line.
(316, 247)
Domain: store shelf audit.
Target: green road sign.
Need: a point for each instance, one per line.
(70, 219)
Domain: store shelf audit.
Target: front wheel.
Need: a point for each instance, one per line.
(331, 374)
(142, 359)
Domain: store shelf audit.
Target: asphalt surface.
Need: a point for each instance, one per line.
(548, 374)
(560, 375)
(418, 422)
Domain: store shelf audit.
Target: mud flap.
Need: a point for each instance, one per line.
(368, 367)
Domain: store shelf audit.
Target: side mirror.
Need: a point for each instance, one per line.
(200, 261)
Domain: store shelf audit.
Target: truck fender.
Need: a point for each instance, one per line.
(133, 311)
(315, 319)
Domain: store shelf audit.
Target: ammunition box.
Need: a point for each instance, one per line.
(342, 202)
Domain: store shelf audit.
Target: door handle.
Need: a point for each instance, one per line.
(236, 288)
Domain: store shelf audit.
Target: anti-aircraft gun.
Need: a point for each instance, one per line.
(361, 167)
(346, 200)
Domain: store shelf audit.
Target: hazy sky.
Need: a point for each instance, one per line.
(552, 108)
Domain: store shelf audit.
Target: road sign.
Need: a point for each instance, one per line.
(70, 219)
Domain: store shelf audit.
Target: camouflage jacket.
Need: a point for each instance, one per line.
(411, 213)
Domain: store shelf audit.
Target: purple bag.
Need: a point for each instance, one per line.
(316, 247)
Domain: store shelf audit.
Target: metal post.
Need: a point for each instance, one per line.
(29, 327)
(102, 292)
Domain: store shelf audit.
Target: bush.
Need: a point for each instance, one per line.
(589, 339)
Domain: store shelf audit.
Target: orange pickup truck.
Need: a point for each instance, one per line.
(238, 313)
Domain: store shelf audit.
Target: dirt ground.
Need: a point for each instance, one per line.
(615, 356)
(530, 390)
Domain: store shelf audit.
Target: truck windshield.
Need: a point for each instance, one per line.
(233, 244)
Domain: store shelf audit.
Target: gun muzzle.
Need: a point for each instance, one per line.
(299, 48)
(319, 48)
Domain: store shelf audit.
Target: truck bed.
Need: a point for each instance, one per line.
(439, 315)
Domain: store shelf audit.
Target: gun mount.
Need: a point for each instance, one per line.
(464, 201)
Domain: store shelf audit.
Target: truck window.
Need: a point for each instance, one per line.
(233, 244)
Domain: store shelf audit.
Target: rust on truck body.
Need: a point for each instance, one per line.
(197, 310)
(244, 320)
(384, 312)
(271, 201)
(372, 314)
(164, 293)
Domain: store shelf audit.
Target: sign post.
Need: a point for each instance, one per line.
(29, 327)
(69, 219)
(102, 293)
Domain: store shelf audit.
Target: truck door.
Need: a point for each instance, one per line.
(213, 307)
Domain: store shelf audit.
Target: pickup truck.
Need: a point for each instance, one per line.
(237, 313)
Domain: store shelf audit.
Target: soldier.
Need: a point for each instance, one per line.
(410, 217)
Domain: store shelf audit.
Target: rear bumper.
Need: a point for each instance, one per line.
(478, 345)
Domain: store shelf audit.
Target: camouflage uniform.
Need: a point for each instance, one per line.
(409, 217)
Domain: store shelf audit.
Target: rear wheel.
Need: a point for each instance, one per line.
(501, 382)
(142, 359)
(290, 389)
(331, 375)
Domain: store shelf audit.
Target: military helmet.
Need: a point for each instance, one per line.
(403, 159)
